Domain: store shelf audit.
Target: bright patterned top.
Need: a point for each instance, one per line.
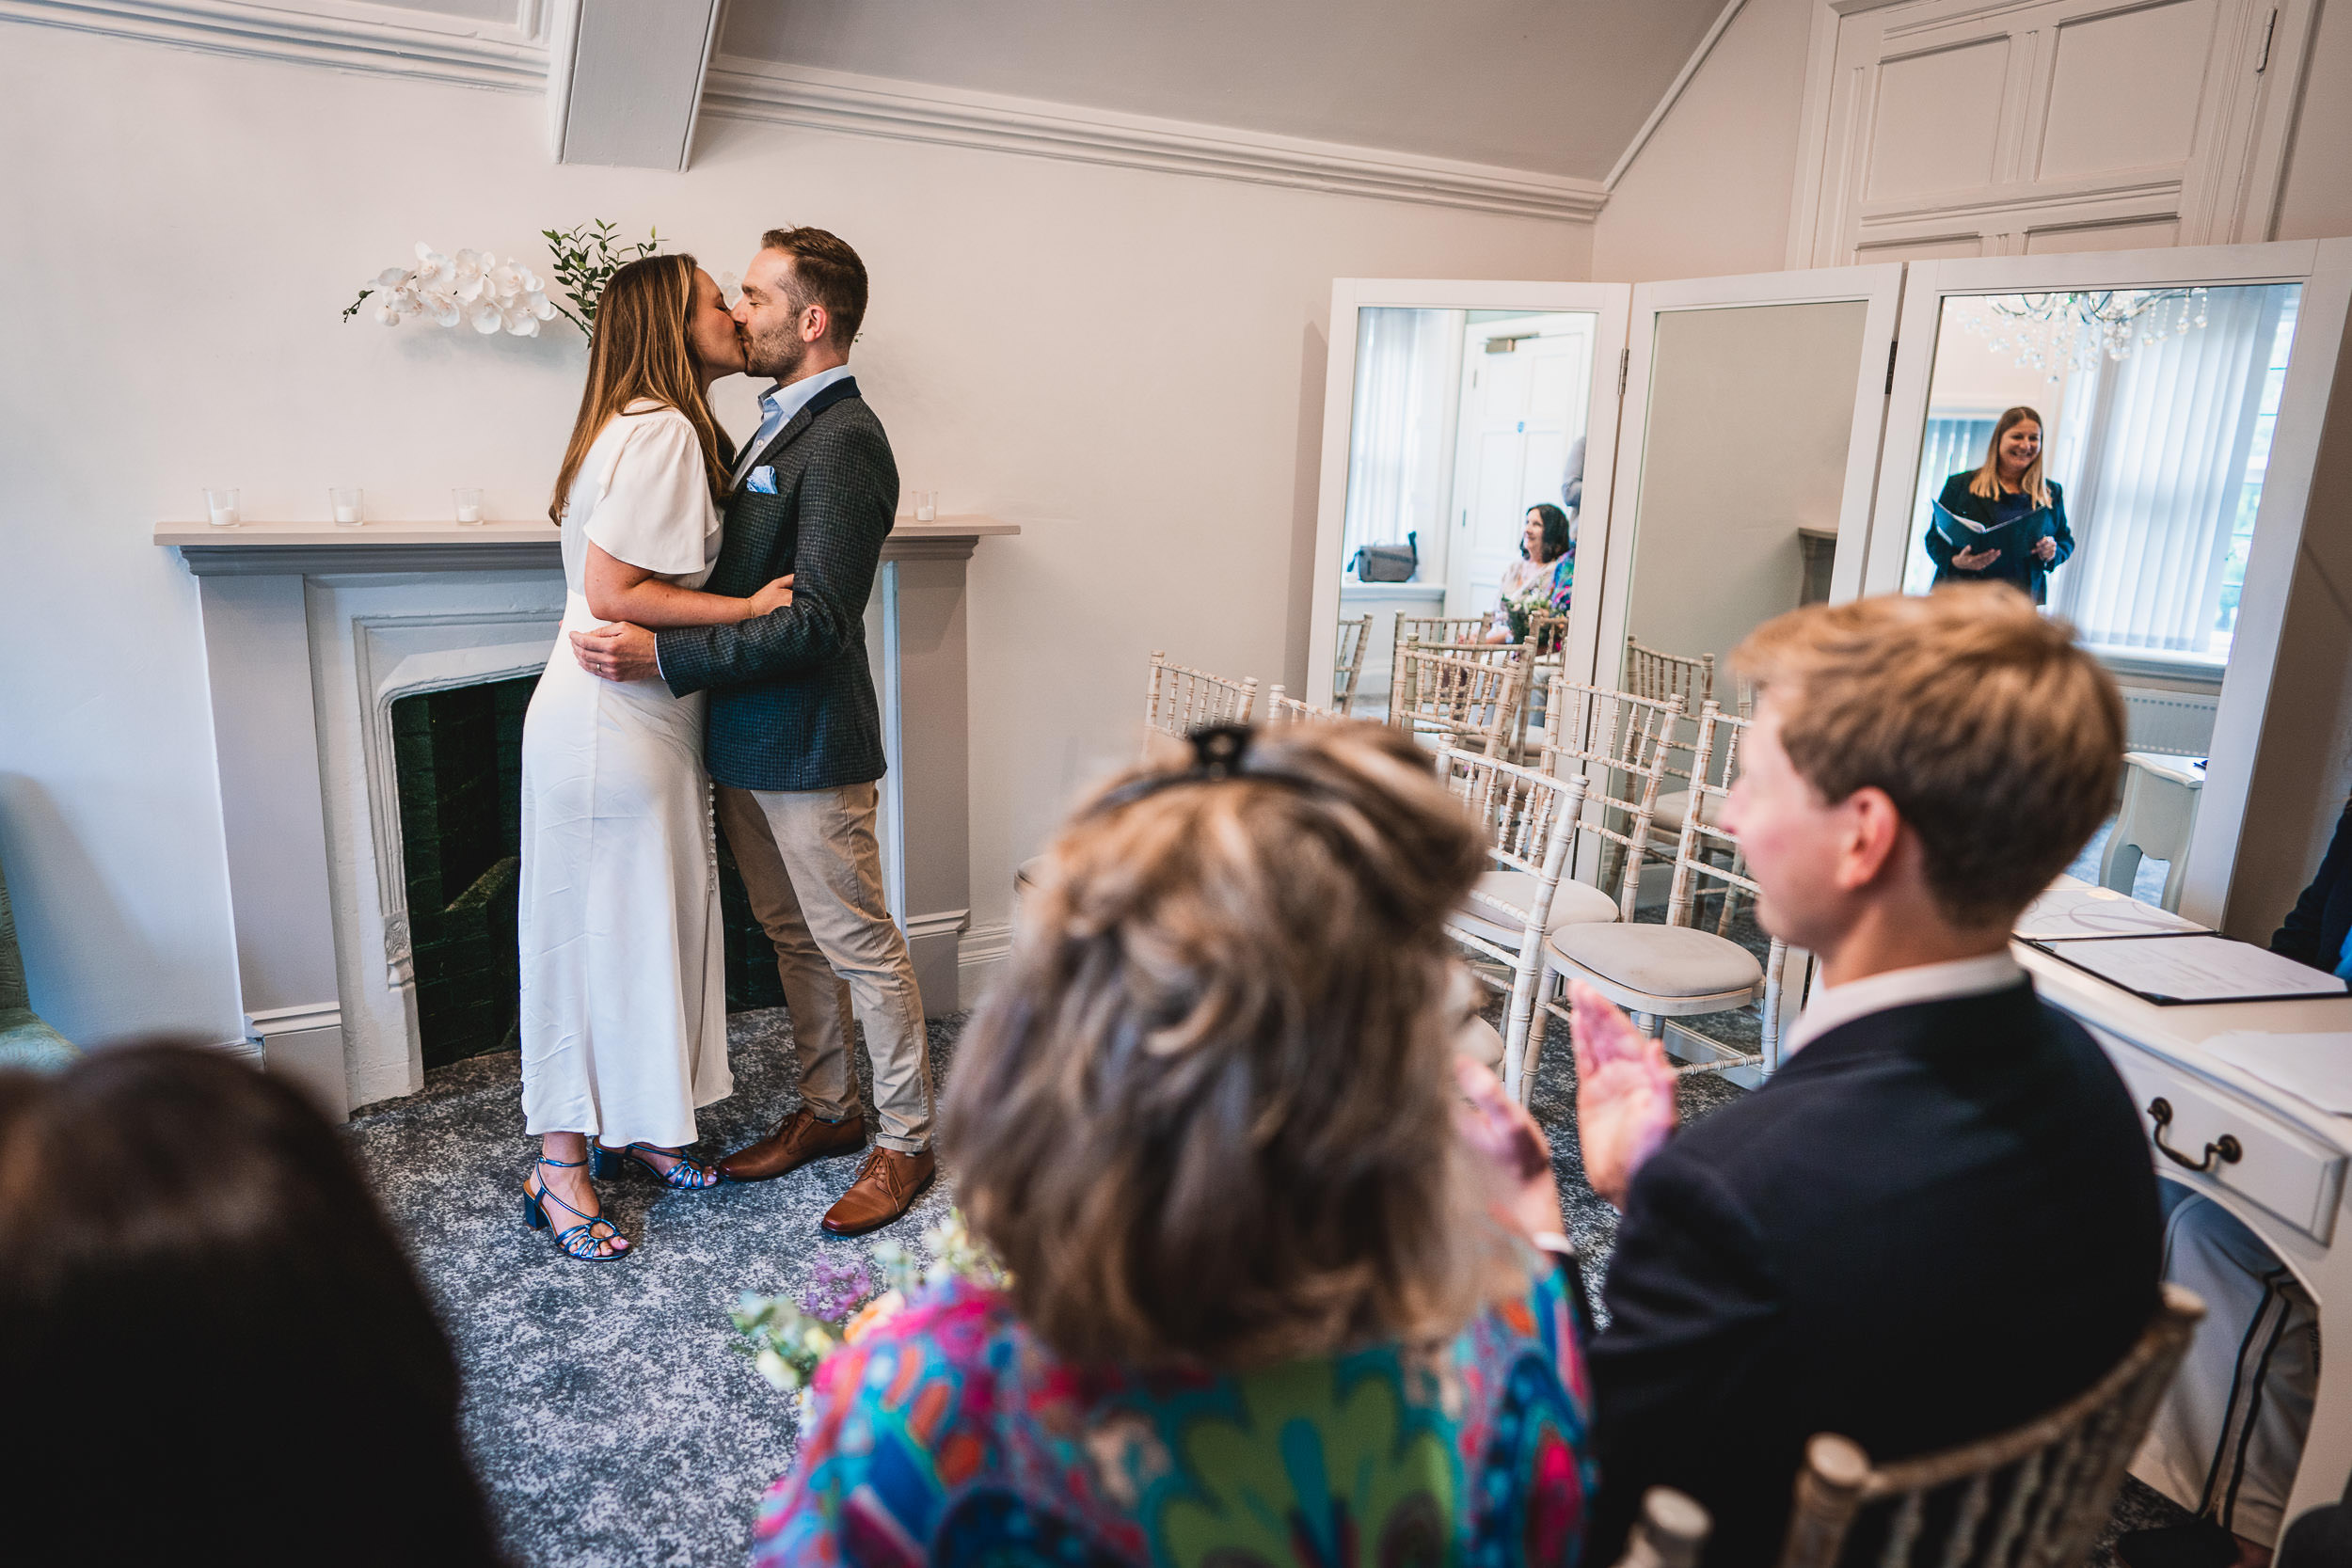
(1535, 587)
(950, 1435)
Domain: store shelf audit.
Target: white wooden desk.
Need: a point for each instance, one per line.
(2288, 1183)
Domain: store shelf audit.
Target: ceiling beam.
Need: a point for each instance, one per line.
(625, 80)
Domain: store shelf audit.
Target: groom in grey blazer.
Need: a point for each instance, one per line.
(794, 736)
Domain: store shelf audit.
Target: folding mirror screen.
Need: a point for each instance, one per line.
(1708, 452)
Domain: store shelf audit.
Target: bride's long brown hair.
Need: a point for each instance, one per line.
(639, 350)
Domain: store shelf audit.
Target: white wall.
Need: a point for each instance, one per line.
(1128, 364)
(1710, 195)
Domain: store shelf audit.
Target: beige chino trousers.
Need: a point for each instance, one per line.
(813, 869)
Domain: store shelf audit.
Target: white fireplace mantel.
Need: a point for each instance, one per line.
(311, 631)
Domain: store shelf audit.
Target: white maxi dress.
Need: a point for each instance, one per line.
(624, 977)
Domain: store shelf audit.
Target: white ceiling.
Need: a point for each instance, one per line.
(1556, 86)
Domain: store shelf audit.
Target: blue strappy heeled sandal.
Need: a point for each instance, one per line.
(686, 1176)
(579, 1240)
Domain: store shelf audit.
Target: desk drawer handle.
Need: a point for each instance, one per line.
(2226, 1148)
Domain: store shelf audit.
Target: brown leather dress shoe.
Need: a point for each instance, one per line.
(888, 1185)
(798, 1139)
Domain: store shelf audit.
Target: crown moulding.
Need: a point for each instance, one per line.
(800, 96)
(350, 35)
(344, 35)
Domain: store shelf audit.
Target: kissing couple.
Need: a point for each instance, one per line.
(714, 602)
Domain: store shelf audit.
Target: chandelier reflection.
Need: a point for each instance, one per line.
(2057, 332)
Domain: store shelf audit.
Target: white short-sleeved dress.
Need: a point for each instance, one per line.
(624, 978)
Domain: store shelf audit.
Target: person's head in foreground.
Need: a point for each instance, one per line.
(1268, 1242)
(1919, 770)
(212, 1348)
(1937, 1219)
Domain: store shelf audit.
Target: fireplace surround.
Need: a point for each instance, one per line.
(311, 633)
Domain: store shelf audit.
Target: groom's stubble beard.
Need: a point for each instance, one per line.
(778, 354)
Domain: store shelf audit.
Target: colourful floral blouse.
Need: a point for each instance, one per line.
(1535, 587)
(949, 1435)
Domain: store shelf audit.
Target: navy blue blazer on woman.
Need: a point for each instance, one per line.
(1934, 1222)
(2023, 568)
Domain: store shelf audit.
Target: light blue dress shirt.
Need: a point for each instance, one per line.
(778, 405)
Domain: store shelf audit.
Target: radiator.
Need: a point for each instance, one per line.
(2176, 722)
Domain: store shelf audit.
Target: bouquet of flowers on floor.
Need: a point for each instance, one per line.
(786, 1337)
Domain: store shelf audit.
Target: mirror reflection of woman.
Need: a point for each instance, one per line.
(1537, 583)
(2009, 485)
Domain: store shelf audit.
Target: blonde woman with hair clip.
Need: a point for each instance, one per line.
(2019, 533)
(1287, 1279)
(623, 985)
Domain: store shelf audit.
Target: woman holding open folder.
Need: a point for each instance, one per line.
(2003, 522)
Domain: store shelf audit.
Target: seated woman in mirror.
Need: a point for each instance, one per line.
(1538, 581)
(2009, 488)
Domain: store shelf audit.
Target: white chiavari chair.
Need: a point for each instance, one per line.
(2038, 1494)
(1283, 709)
(1441, 630)
(1179, 699)
(1621, 742)
(1528, 821)
(1347, 663)
(1675, 970)
(1467, 697)
(1657, 675)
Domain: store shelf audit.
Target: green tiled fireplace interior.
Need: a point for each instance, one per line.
(458, 754)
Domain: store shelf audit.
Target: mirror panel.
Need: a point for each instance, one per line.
(1460, 421)
(1746, 434)
(2156, 409)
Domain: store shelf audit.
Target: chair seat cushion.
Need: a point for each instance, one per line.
(1481, 1041)
(1660, 961)
(1667, 817)
(1573, 903)
(28, 1044)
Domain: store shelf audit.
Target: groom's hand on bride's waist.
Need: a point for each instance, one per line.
(617, 652)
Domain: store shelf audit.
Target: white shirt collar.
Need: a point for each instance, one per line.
(1834, 1006)
(792, 399)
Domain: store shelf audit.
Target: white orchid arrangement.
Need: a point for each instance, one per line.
(473, 286)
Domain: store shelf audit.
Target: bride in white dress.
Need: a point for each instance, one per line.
(623, 986)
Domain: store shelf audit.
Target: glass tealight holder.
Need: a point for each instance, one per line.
(220, 507)
(926, 505)
(469, 503)
(345, 506)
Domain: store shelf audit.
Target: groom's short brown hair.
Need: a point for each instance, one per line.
(826, 272)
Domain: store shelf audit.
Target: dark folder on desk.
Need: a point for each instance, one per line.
(2188, 968)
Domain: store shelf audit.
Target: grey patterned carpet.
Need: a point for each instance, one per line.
(608, 1413)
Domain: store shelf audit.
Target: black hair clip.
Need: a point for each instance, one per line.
(1217, 750)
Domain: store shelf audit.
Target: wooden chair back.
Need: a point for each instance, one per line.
(1618, 741)
(1441, 630)
(1704, 854)
(1528, 821)
(1471, 697)
(1283, 709)
(1347, 662)
(1655, 674)
(1179, 699)
(2034, 1496)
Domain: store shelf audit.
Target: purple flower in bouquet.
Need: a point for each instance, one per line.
(839, 1290)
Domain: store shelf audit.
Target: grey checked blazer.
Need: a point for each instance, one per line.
(791, 700)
